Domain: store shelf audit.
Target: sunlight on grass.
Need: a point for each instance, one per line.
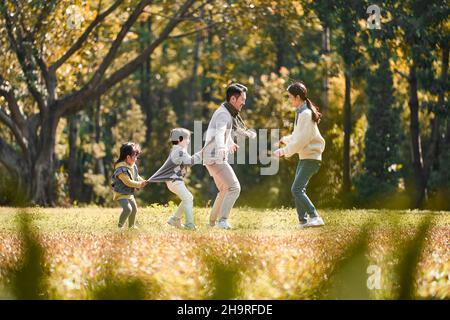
(266, 257)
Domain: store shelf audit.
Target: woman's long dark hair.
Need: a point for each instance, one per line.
(128, 149)
(299, 89)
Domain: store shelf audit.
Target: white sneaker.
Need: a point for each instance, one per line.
(304, 225)
(223, 224)
(315, 222)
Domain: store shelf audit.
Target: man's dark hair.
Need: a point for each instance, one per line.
(235, 90)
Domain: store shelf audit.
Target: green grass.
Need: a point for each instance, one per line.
(266, 256)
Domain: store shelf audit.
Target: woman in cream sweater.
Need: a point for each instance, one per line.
(307, 142)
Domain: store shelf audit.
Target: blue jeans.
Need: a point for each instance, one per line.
(306, 168)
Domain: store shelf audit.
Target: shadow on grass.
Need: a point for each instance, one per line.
(407, 269)
(110, 285)
(349, 278)
(28, 278)
(224, 272)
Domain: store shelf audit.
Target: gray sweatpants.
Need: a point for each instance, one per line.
(229, 190)
(129, 210)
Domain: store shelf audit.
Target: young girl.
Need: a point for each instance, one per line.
(125, 180)
(173, 172)
(308, 143)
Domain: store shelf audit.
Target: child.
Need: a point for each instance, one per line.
(125, 180)
(173, 172)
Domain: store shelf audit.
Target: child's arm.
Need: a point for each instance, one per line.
(182, 157)
(130, 183)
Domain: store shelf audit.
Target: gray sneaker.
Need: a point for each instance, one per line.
(175, 222)
(315, 222)
(190, 226)
(223, 224)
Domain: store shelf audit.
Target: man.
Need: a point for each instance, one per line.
(224, 124)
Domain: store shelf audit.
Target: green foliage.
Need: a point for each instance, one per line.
(381, 162)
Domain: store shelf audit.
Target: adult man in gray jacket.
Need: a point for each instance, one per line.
(224, 124)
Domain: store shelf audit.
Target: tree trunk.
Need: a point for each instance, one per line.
(416, 145)
(73, 163)
(192, 93)
(440, 116)
(99, 166)
(145, 94)
(325, 79)
(346, 181)
(43, 186)
(443, 89)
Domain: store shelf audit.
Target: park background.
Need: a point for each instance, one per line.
(79, 78)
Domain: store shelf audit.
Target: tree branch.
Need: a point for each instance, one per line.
(116, 43)
(76, 101)
(10, 158)
(45, 12)
(189, 33)
(402, 74)
(77, 45)
(17, 115)
(4, 118)
(25, 60)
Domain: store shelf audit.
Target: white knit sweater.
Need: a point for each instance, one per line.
(306, 139)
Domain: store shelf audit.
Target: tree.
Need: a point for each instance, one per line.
(381, 162)
(419, 24)
(34, 132)
(343, 17)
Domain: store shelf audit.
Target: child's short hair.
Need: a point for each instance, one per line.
(179, 134)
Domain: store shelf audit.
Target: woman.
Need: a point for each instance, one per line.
(308, 143)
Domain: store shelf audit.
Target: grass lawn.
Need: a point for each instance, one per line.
(266, 256)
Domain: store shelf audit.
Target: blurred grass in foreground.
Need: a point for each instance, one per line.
(275, 260)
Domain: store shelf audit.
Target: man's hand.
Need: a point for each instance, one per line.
(277, 153)
(232, 148)
(282, 140)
